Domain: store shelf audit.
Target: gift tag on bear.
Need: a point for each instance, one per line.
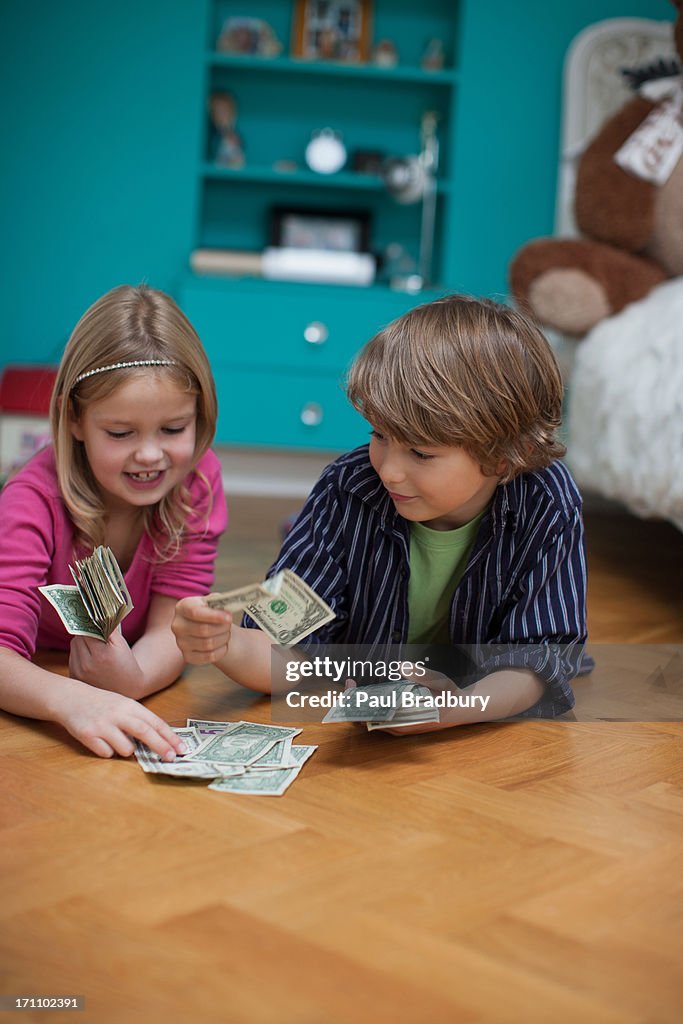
(656, 146)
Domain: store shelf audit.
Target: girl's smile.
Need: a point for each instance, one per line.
(145, 481)
(140, 440)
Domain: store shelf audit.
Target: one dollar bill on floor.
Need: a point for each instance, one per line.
(284, 607)
(98, 602)
(235, 757)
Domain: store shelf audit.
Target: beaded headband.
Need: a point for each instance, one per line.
(123, 366)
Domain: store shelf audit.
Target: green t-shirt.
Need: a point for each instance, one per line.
(438, 558)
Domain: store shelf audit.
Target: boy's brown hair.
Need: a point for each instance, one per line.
(466, 373)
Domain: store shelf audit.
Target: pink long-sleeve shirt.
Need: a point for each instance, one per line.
(37, 542)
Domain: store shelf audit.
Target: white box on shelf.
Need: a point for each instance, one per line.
(284, 263)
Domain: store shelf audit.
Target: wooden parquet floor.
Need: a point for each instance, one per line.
(497, 873)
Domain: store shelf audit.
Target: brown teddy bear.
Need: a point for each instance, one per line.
(632, 225)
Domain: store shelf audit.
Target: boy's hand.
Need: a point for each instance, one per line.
(202, 633)
(107, 723)
(109, 666)
(435, 681)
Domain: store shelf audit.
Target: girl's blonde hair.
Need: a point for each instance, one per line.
(467, 373)
(127, 324)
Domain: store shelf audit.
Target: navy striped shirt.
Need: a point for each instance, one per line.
(522, 593)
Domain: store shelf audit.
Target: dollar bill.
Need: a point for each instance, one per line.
(188, 769)
(279, 761)
(241, 744)
(211, 728)
(68, 604)
(150, 761)
(279, 756)
(206, 727)
(272, 782)
(98, 602)
(284, 607)
(381, 706)
(368, 703)
(237, 600)
(404, 716)
(103, 588)
(302, 751)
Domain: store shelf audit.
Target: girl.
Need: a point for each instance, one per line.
(133, 413)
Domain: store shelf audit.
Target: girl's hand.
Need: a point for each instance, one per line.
(107, 724)
(109, 666)
(202, 633)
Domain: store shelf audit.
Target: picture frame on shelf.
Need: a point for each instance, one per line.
(322, 229)
(334, 30)
(248, 37)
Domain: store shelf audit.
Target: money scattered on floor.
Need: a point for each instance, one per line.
(98, 602)
(385, 706)
(240, 757)
(284, 607)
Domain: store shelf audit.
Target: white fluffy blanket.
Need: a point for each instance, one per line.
(626, 406)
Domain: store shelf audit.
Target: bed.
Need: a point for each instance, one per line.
(625, 378)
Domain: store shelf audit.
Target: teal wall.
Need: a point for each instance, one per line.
(101, 107)
(509, 102)
(100, 104)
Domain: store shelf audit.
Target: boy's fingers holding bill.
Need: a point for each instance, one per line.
(195, 610)
(200, 631)
(209, 644)
(203, 657)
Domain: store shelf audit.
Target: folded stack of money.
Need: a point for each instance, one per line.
(385, 706)
(284, 607)
(100, 600)
(241, 757)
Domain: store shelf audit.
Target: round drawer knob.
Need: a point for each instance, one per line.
(312, 414)
(316, 333)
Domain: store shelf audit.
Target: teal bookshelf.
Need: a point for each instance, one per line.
(257, 331)
(292, 66)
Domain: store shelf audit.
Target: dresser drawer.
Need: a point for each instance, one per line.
(287, 326)
(286, 409)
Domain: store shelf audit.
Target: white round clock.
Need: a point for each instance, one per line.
(326, 153)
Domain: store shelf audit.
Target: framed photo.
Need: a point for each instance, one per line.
(332, 30)
(248, 36)
(331, 230)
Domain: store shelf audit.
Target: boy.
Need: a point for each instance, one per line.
(454, 526)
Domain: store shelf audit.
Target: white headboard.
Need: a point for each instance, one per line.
(593, 88)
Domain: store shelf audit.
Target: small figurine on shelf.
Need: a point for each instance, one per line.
(226, 144)
(433, 57)
(248, 36)
(385, 54)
